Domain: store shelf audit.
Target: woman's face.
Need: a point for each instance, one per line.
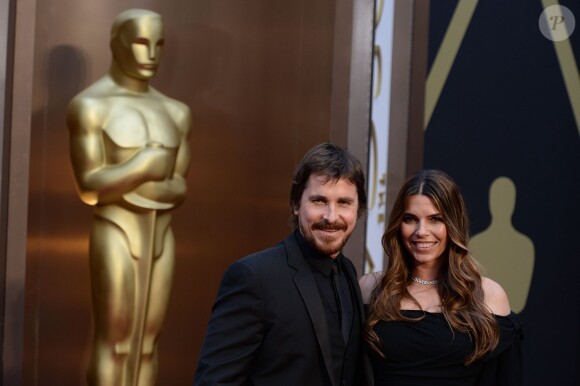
(423, 231)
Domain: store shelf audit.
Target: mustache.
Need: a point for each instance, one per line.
(325, 225)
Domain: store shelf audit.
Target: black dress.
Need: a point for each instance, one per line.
(429, 353)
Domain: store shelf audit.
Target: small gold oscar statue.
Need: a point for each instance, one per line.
(129, 152)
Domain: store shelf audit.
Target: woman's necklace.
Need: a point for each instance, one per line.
(425, 282)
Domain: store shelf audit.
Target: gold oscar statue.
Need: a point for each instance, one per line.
(129, 152)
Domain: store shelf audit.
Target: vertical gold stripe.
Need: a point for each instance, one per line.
(569, 69)
(375, 164)
(378, 56)
(379, 12)
(369, 260)
(446, 55)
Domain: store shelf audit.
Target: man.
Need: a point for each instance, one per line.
(292, 314)
(129, 152)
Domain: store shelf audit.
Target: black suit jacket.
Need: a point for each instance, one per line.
(268, 325)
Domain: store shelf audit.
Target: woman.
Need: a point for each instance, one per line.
(433, 319)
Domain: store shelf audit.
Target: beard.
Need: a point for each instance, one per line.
(327, 245)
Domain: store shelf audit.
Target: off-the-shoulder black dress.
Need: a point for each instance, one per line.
(429, 353)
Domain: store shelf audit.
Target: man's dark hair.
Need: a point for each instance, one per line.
(335, 163)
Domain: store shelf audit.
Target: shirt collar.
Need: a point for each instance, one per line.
(320, 261)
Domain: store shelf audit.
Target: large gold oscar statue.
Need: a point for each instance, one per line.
(129, 152)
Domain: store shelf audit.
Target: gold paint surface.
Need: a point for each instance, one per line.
(446, 55)
(570, 71)
(506, 254)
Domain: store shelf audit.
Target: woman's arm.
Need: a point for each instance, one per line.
(368, 283)
(495, 297)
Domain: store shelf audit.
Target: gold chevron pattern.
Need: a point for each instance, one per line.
(450, 46)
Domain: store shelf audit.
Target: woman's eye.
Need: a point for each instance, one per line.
(408, 219)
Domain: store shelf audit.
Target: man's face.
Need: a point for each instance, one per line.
(327, 213)
(137, 48)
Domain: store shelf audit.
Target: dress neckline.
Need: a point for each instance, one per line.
(421, 311)
(441, 313)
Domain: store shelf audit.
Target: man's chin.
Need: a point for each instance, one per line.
(330, 249)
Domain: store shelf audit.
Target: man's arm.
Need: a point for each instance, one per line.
(235, 330)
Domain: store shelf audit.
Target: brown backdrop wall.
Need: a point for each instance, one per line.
(258, 78)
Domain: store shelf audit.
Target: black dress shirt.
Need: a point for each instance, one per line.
(322, 270)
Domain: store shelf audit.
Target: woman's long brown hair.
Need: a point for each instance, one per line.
(460, 287)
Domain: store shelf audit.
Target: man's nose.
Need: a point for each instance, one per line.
(330, 214)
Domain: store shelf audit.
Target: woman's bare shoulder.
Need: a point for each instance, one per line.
(495, 297)
(368, 283)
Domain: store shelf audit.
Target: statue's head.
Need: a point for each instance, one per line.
(136, 42)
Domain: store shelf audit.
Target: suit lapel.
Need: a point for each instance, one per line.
(306, 285)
